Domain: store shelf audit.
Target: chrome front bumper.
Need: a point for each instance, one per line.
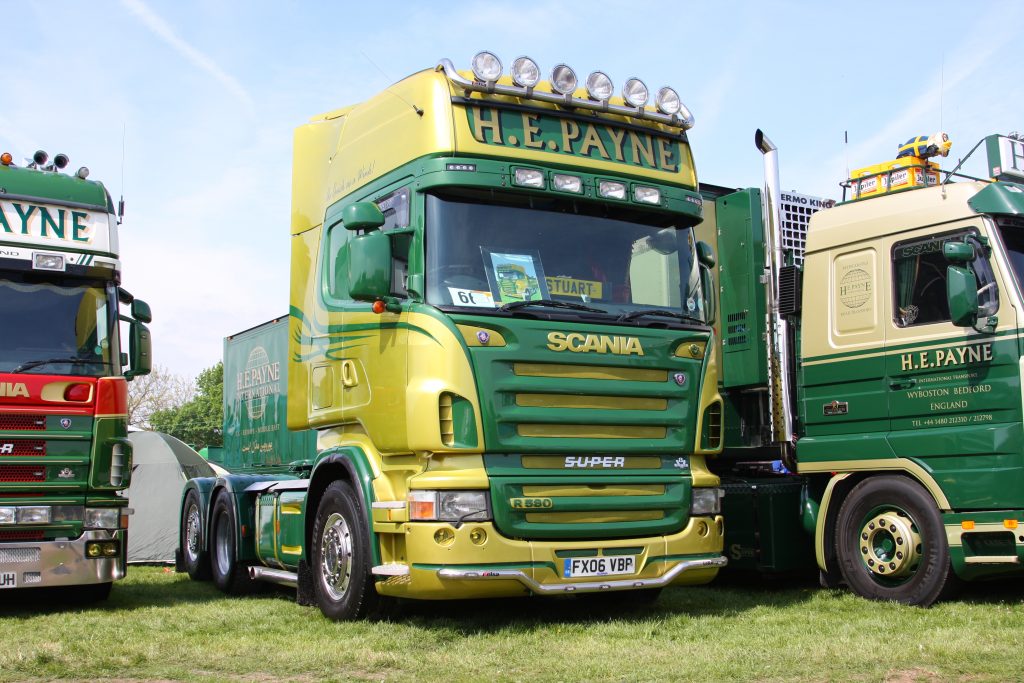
(563, 588)
(42, 564)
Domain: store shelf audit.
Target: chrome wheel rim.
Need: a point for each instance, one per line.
(336, 556)
(192, 524)
(890, 545)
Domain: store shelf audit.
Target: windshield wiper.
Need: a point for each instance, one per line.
(71, 361)
(633, 315)
(513, 305)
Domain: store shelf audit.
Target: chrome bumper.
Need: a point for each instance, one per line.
(42, 564)
(583, 586)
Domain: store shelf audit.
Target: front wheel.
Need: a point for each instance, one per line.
(891, 543)
(342, 581)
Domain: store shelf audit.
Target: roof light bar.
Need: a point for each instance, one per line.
(563, 84)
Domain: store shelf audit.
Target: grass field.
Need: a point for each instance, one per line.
(158, 626)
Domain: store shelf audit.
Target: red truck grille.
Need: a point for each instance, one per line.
(32, 447)
(20, 473)
(21, 535)
(22, 422)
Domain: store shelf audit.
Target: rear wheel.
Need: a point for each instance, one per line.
(229, 575)
(342, 582)
(197, 559)
(891, 543)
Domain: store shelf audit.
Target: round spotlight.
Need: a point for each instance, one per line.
(668, 101)
(61, 160)
(599, 86)
(486, 67)
(83, 173)
(525, 72)
(563, 80)
(635, 92)
(40, 157)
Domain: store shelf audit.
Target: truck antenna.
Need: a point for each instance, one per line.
(846, 150)
(419, 112)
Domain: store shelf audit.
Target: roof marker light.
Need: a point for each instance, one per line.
(667, 101)
(563, 80)
(599, 86)
(635, 92)
(525, 72)
(83, 173)
(486, 67)
(6, 159)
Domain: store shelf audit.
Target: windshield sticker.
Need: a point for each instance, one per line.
(515, 277)
(565, 286)
(471, 297)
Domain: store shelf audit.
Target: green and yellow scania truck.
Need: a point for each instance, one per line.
(64, 456)
(499, 329)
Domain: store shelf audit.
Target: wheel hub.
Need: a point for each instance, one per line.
(336, 556)
(192, 533)
(890, 545)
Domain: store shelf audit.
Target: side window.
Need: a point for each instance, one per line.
(337, 255)
(919, 280)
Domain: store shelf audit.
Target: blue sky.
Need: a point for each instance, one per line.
(206, 95)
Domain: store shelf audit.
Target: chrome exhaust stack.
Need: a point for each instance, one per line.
(279, 576)
(779, 390)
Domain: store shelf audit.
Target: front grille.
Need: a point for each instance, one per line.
(29, 447)
(19, 555)
(21, 536)
(22, 422)
(22, 473)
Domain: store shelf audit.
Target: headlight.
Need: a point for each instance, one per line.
(102, 518)
(34, 514)
(647, 195)
(635, 92)
(528, 177)
(567, 183)
(611, 189)
(525, 72)
(448, 506)
(706, 502)
(7, 515)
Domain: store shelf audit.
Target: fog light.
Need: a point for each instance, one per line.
(110, 549)
(611, 189)
(93, 549)
(647, 195)
(563, 80)
(668, 102)
(486, 67)
(478, 536)
(444, 536)
(599, 86)
(567, 183)
(48, 262)
(525, 72)
(635, 92)
(528, 177)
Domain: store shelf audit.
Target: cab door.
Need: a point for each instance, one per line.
(953, 392)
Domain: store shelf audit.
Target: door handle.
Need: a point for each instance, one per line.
(903, 383)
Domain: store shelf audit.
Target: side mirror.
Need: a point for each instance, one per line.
(707, 286)
(141, 311)
(962, 293)
(958, 252)
(362, 216)
(140, 351)
(369, 266)
(705, 255)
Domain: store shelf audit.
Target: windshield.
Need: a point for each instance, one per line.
(57, 328)
(485, 256)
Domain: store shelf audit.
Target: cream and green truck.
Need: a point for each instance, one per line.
(536, 353)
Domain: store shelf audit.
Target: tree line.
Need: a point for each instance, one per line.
(191, 410)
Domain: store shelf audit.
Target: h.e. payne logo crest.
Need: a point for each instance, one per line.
(257, 382)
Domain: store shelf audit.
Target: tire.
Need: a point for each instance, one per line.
(343, 585)
(891, 543)
(194, 557)
(229, 575)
